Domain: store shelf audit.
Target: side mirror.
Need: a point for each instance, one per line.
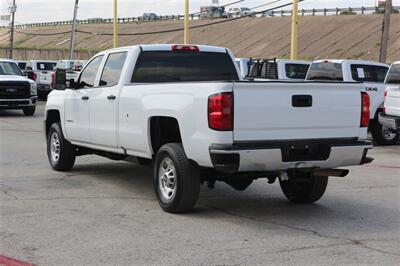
(29, 74)
(71, 84)
(60, 79)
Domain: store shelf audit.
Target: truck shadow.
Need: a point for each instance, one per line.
(262, 205)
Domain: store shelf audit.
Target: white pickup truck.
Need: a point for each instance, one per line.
(186, 109)
(372, 75)
(391, 111)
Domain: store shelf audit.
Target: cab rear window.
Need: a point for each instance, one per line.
(296, 71)
(183, 66)
(368, 73)
(325, 71)
(45, 66)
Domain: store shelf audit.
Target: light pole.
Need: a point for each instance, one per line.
(115, 23)
(186, 23)
(13, 9)
(72, 41)
(294, 44)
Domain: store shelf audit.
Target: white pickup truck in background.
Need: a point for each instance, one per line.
(391, 111)
(372, 75)
(42, 73)
(186, 109)
(281, 69)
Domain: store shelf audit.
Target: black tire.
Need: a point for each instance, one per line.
(304, 191)
(186, 179)
(66, 151)
(380, 136)
(29, 111)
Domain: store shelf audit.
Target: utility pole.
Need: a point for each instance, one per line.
(72, 41)
(115, 23)
(13, 9)
(385, 31)
(186, 23)
(294, 40)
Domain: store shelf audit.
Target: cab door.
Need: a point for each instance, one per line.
(77, 103)
(104, 101)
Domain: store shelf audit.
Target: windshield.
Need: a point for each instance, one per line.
(393, 76)
(9, 68)
(325, 71)
(165, 66)
(296, 71)
(46, 66)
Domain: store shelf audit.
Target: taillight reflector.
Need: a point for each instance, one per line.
(220, 111)
(365, 109)
(34, 76)
(190, 48)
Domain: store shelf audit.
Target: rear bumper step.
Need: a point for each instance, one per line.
(284, 155)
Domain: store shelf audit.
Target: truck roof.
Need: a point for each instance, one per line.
(6, 60)
(168, 47)
(350, 61)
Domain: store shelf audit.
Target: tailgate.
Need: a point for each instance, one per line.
(295, 111)
(44, 77)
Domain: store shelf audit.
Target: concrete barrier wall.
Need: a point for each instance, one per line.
(28, 54)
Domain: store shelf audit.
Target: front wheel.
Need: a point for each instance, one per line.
(60, 152)
(306, 188)
(176, 179)
(29, 111)
(383, 135)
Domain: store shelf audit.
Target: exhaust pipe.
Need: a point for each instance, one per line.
(331, 172)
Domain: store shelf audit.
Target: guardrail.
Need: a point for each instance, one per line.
(302, 12)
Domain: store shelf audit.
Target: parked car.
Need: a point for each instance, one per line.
(186, 109)
(372, 75)
(281, 69)
(42, 73)
(21, 64)
(391, 111)
(213, 12)
(149, 16)
(16, 91)
(240, 12)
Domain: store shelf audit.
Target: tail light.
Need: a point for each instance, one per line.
(220, 111)
(384, 102)
(34, 76)
(365, 111)
(186, 48)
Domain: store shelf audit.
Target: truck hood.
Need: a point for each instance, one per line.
(13, 78)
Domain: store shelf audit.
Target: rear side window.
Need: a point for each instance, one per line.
(168, 66)
(45, 66)
(22, 66)
(368, 73)
(112, 69)
(296, 71)
(393, 76)
(325, 71)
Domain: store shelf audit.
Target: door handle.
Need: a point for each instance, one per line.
(302, 101)
(85, 98)
(111, 97)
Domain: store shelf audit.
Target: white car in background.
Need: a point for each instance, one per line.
(391, 111)
(240, 12)
(371, 75)
(41, 71)
(72, 67)
(281, 69)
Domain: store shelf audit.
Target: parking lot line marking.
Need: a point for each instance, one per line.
(6, 261)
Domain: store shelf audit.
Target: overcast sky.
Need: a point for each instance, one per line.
(53, 10)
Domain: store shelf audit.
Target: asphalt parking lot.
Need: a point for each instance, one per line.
(105, 213)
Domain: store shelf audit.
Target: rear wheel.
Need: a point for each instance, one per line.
(383, 135)
(304, 188)
(176, 179)
(60, 152)
(29, 111)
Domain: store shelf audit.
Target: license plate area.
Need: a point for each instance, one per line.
(293, 152)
